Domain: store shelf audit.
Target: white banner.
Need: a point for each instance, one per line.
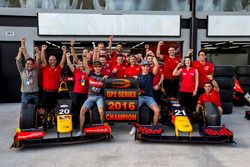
(98, 24)
(228, 25)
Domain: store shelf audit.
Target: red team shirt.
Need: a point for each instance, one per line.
(80, 75)
(187, 80)
(114, 56)
(133, 71)
(157, 76)
(169, 66)
(51, 78)
(106, 71)
(213, 97)
(204, 70)
(120, 70)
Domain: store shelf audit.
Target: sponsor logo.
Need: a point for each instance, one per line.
(97, 130)
(64, 106)
(121, 83)
(149, 130)
(29, 135)
(217, 131)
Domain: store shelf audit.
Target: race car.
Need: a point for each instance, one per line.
(54, 127)
(210, 130)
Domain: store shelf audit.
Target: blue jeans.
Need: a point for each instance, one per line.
(29, 98)
(146, 99)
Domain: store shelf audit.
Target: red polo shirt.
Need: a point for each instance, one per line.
(78, 87)
(120, 70)
(204, 70)
(157, 76)
(169, 66)
(187, 80)
(132, 71)
(213, 97)
(114, 56)
(51, 78)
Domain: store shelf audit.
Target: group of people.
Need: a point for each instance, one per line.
(195, 86)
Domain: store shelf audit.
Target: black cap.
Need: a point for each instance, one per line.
(97, 63)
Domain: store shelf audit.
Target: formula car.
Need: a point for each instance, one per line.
(38, 128)
(209, 130)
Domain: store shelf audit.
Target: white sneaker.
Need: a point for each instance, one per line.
(132, 131)
(80, 133)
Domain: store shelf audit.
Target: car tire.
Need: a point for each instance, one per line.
(243, 70)
(244, 80)
(226, 95)
(224, 71)
(227, 108)
(145, 115)
(225, 82)
(27, 116)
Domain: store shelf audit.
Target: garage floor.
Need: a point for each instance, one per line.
(124, 151)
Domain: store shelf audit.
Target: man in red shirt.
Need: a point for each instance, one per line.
(133, 69)
(170, 83)
(117, 52)
(51, 78)
(204, 68)
(211, 95)
(118, 70)
(106, 65)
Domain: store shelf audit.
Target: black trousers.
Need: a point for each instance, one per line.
(171, 87)
(77, 101)
(188, 101)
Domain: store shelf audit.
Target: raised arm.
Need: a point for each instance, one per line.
(43, 58)
(156, 65)
(19, 60)
(85, 62)
(25, 53)
(214, 83)
(62, 62)
(71, 67)
(146, 49)
(38, 57)
(189, 52)
(110, 44)
(196, 82)
(158, 50)
(95, 54)
(72, 49)
(177, 71)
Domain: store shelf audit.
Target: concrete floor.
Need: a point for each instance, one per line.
(123, 151)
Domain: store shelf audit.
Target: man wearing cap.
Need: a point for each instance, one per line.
(145, 85)
(95, 95)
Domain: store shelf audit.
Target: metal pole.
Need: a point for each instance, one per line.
(193, 29)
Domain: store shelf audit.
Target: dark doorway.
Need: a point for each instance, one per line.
(10, 80)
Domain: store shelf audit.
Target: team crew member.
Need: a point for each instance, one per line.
(80, 91)
(204, 68)
(189, 84)
(158, 78)
(118, 70)
(118, 51)
(51, 78)
(102, 57)
(95, 94)
(133, 69)
(211, 95)
(170, 83)
(29, 76)
(145, 85)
